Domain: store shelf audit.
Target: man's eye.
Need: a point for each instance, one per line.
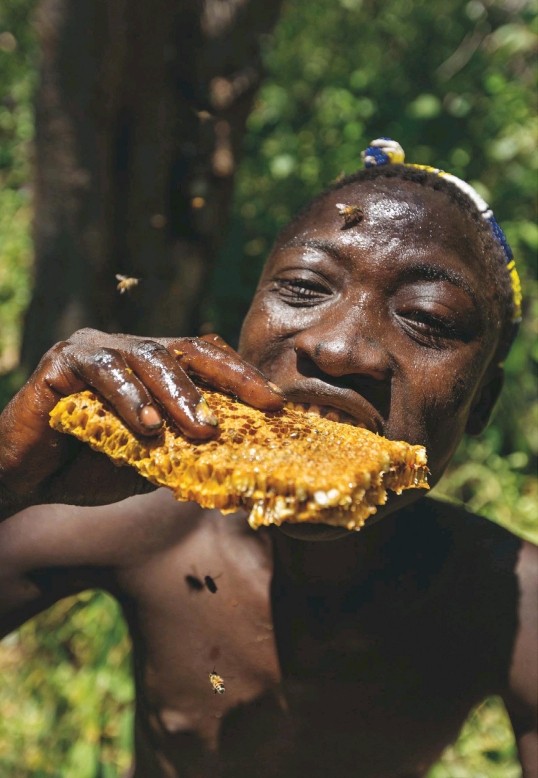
(300, 291)
(431, 328)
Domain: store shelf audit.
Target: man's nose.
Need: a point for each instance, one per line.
(345, 349)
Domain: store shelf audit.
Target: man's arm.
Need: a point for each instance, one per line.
(52, 551)
(522, 697)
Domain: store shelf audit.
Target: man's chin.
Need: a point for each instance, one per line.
(315, 532)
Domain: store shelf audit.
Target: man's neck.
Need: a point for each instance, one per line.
(327, 563)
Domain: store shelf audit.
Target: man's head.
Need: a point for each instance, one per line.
(386, 299)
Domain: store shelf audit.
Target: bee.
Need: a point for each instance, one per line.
(217, 684)
(194, 583)
(203, 115)
(351, 214)
(210, 584)
(125, 283)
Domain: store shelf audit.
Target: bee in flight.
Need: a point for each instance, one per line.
(217, 683)
(125, 283)
(351, 214)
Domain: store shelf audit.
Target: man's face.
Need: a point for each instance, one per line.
(389, 320)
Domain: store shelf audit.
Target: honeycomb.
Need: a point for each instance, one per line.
(289, 465)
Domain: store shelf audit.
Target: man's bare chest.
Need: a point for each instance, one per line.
(313, 683)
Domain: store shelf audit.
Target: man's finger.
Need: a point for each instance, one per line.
(223, 368)
(106, 371)
(217, 340)
(169, 384)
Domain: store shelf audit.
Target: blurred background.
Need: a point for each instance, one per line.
(168, 141)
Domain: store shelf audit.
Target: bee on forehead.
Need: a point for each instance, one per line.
(217, 684)
(125, 283)
(351, 214)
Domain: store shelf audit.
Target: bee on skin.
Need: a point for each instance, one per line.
(194, 583)
(125, 283)
(351, 214)
(216, 682)
(210, 584)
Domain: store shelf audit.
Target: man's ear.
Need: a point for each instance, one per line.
(484, 401)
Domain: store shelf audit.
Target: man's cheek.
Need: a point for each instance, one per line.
(447, 385)
(263, 337)
(430, 409)
(445, 421)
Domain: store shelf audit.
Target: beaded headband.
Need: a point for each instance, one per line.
(384, 151)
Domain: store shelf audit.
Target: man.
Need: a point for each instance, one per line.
(335, 654)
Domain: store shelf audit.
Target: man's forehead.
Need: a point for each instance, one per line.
(400, 211)
(385, 202)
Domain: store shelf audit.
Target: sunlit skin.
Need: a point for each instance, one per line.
(360, 654)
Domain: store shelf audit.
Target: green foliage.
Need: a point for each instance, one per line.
(485, 747)
(454, 83)
(17, 76)
(66, 693)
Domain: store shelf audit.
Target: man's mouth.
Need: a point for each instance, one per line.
(326, 412)
(333, 403)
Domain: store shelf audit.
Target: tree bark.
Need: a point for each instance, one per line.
(140, 114)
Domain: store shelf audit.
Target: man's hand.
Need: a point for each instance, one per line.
(139, 377)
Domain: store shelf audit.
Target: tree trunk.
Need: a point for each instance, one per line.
(140, 115)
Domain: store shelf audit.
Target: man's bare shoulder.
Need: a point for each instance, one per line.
(104, 536)
(497, 575)
(474, 576)
(475, 554)
(466, 527)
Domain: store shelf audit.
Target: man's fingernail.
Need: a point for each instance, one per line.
(204, 415)
(276, 389)
(150, 417)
